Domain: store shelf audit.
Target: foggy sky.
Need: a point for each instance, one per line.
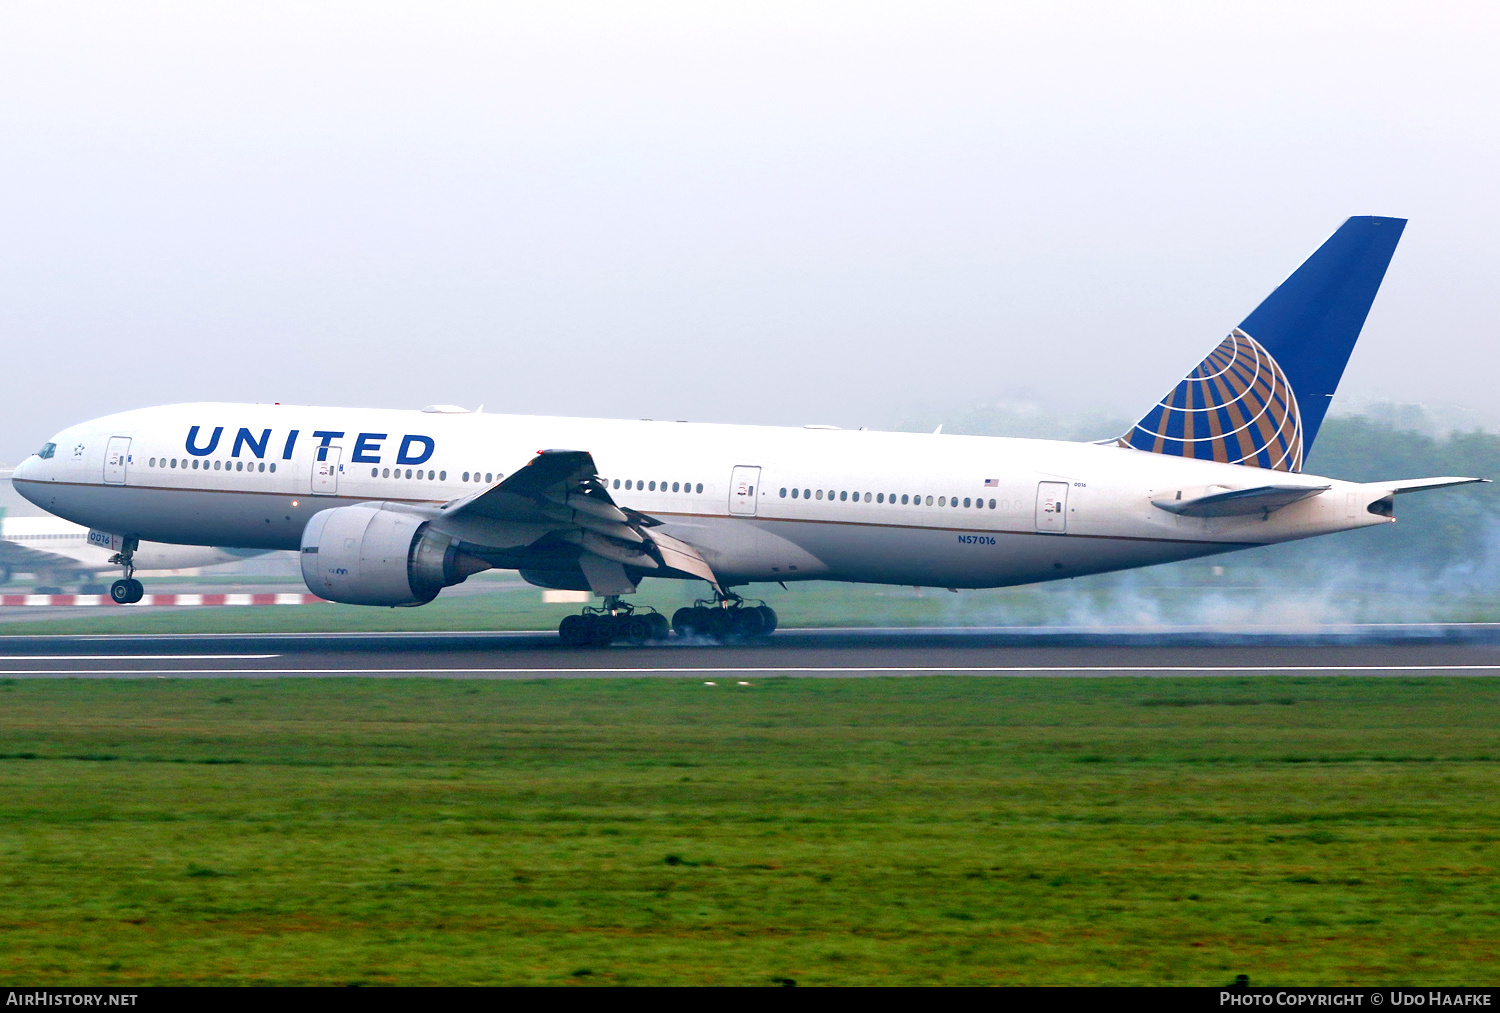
(780, 214)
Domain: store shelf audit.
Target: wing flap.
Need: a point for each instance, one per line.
(558, 501)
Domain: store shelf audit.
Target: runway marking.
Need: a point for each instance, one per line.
(779, 670)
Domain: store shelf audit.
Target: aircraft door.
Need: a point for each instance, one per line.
(742, 490)
(326, 468)
(116, 456)
(1052, 507)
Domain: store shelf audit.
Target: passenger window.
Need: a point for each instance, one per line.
(674, 488)
(628, 484)
(783, 492)
(174, 462)
(273, 466)
(992, 504)
(820, 494)
(953, 502)
(466, 476)
(903, 499)
(880, 497)
(617, 483)
(966, 501)
(795, 492)
(261, 466)
(653, 486)
(151, 463)
(843, 496)
(374, 472)
(867, 497)
(442, 476)
(929, 501)
(942, 501)
(408, 473)
(700, 487)
(487, 478)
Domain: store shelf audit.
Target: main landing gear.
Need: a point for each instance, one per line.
(616, 620)
(127, 590)
(724, 617)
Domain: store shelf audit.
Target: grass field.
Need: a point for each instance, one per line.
(646, 831)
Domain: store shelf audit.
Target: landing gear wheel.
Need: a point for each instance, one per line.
(573, 631)
(768, 619)
(660, 628)
(717, 623)
(639, 628)
(725, 616)
(127, 590)
(606, 629)
(614, 621)
(747, 622)
(685, 621)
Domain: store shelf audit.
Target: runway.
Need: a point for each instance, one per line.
(1385, 651)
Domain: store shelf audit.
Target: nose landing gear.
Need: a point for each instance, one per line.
(615, 620)
(724, 617)
(127, 590)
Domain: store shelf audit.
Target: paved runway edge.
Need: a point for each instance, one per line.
(1373, 651)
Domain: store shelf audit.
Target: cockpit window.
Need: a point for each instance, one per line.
(47, 451)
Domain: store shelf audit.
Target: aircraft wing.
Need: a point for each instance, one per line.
(556, 507)
(1263, 499)
(15, 556)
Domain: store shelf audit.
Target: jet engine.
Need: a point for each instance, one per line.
(373, 554)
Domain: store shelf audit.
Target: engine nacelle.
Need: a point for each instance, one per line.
(374, 555)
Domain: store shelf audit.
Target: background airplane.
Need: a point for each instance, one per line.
(57, 552)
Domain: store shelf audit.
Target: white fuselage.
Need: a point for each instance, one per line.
(897, 508)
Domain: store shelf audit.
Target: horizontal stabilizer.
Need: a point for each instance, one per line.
(1262, 499)
(1423, 484)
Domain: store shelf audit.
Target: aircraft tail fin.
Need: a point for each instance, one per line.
(1260, 396)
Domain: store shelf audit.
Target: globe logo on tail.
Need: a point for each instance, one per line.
(1235, 408)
